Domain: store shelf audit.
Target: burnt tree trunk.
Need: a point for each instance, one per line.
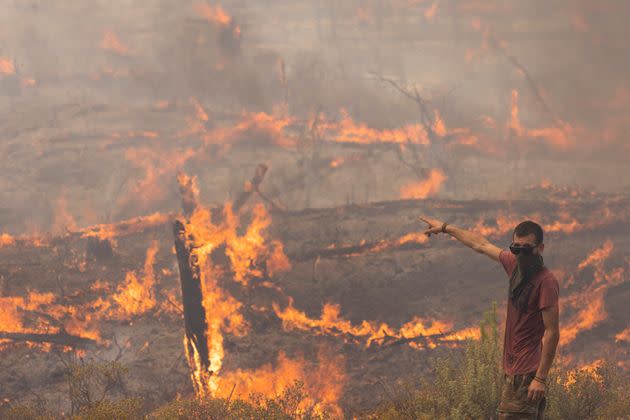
(194, 314)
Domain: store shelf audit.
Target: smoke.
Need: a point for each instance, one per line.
(97, 100)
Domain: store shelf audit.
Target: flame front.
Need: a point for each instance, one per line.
(331, 323)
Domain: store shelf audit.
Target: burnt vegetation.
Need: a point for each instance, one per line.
(246, 177)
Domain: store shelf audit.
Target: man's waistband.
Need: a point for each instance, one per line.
(519, 377)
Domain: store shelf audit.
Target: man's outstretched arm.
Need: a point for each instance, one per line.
(469, 238)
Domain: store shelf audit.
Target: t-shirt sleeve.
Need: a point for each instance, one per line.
(508, 261)
(549, 291)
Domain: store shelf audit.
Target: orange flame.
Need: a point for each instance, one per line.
(623, 335)
(590, 304)
(559, 136)
(245, 253)
(348, 131)
(323, 381)
(331, 323)
(110, 42)
(126, 227)
(426, 188)
(6, 239)
(136, 296)
(214, 14)
(430, 13)
(6, 66)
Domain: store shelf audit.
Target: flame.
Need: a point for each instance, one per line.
(136, 295)
(426, 188)
(349, 131)
(331, 323)
(125, 227)
(157, 166)
(6, 239)
(438, 124)
(214, 14)
(597, 258)
(430, 13)
(515, 123)
(246, 254)
(558, 136)
(323, 381)
(73, 320)
(10, 307)
(110, 42)
(589, 304)
(6, 66)
(259, 125)
(364, 14)
(623, 335)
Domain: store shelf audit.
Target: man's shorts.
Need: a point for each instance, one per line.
(514, 403)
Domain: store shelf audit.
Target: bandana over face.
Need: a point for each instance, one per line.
(527, 266)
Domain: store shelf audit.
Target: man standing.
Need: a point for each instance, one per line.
(531, 327)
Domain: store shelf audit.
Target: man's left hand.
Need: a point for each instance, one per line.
(536, 390)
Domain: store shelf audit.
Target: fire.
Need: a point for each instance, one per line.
(10, 307)
(14, 311)
(6, 66)
(323, 381)
(503, 223)
(438, 124)
(515, 123)
(426, 188)
(136, 295)
(246, 252)
(157, 166)
(331, 323)
(349, 131)
(214, 14)
(589, 304)
(126, 227)
(6, 239)
(430, 13)
(243, 251)
(256, 125)
(623, 335)
(110, 42)
(597, 258)
(364, 14)
(558, 136)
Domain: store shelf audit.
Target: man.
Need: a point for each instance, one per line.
(531, 327)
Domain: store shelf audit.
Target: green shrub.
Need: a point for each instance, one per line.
(125, 409)
(469, 387)
(461, 389)
(25, 412)
(91, 383)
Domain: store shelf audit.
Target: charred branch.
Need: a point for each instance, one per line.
(61, 338)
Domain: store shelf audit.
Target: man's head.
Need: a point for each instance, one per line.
(528, 234)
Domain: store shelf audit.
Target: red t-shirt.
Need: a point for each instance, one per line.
(522, 346)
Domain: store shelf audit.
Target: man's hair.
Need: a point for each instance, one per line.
(528, 227)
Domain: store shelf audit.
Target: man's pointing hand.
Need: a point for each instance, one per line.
(435, 225)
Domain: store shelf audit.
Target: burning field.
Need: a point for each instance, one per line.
(223, 197)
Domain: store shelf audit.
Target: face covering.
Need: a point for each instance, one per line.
(527, 266)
